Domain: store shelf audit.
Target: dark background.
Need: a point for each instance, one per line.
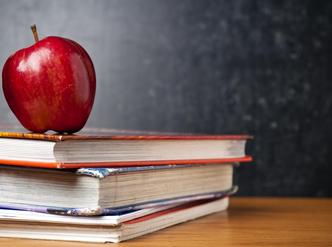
(217, 67)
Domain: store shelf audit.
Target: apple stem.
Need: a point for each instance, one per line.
(35, 33)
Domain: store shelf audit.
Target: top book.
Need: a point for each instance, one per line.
(108, 148)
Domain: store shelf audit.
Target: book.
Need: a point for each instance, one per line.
(105, 148)
(118, 210)
(95, 191)
(92, 230)
(105, 220)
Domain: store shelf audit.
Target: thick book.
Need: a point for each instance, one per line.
(95, 191)
(106, 148)
(100, 229)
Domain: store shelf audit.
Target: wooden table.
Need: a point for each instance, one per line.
(248, 222)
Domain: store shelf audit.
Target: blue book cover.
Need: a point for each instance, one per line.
(104, 172)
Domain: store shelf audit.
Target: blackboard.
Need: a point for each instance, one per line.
(217, 67)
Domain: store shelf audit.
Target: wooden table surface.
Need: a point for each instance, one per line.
(248, 222)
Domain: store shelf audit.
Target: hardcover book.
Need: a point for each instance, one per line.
(105, 191)
(109, 148)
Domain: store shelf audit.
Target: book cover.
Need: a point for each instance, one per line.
(112, 134)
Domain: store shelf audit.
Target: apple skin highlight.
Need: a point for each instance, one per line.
(50, 85)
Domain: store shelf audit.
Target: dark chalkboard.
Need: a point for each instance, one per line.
(218, 67)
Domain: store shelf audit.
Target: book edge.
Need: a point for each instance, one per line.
(59, 165)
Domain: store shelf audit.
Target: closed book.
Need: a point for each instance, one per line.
(105, 148)
(93, 191)
(103, 229)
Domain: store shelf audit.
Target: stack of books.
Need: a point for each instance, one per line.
(111, 186)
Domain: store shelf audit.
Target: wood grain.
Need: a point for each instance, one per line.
(248, 222)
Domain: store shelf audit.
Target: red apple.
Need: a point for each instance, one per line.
(50, 85)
